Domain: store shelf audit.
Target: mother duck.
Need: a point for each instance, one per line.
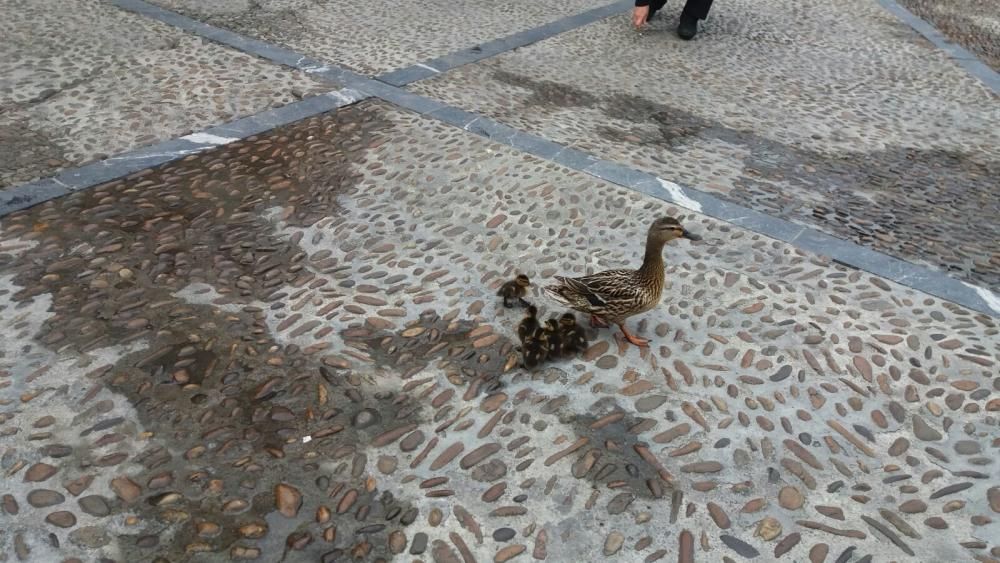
(612, 296)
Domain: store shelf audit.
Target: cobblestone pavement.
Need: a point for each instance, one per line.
(87, 81)
(836, 116)
(289, 349)
(974, 24)
(376, 37)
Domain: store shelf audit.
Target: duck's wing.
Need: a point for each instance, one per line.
(609, 285)
(595, 292)
(581, 291)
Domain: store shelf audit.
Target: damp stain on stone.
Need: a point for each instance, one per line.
(27, 154)
(225, 407)
(612, 456)
(547, 93)
(927, 205)
(235, 416)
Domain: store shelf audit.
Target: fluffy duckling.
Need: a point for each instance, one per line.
(516, 288)
(574, 338)
(553, 336)
(528, 325)
(542, 336)
(533, 351)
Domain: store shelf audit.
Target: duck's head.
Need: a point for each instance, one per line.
(568, 320)
(666, 229)
(522, 280)
(532, 311)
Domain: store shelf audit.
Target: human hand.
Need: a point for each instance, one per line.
(639, 15)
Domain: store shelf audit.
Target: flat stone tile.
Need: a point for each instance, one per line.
(90, 80)
(296, 339)
(840, 118)
(381, 36)
(965, 22)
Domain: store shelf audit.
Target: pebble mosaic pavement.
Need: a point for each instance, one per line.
(88, 81)
(376, 37)
(289, 348)
(856, 126)
(974, 24)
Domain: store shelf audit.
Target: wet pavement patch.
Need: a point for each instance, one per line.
(905, 202)
(290, 348)
(224, 407)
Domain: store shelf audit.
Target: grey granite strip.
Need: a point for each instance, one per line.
(403, 98)
(918, 277)
(122, 165)
(476, 53)
(267, 120)
(29, 195)
(409, 75)
(458, 117)
(119, 166)
(573, 158)
(262, 49)
(962, 56)
(344, 77)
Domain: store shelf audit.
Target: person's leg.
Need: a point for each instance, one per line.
(698, 8)
(655, 6)
(694, 10)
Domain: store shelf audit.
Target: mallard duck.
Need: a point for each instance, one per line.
(612, 296)
(516, 288)
(573, 337)
(528, 325)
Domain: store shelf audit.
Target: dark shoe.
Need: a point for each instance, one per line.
(688, 27)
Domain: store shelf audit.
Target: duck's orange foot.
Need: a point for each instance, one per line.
(641, 342)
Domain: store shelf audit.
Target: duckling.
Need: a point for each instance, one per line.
(516, 288)
(612, 296)
(554, 338)
(542, 336)
(528, 325)
(573, 337)
(533, 352)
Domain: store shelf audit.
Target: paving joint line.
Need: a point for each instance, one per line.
(476, 53)
(399, 77)
(433, 67)
(962, 56)
(125, 164)
(806, 238)
(359, 87)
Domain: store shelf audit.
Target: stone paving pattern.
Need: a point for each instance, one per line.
(973, 24)
(88, 81)
(289, 348)
(377, 37)
(836, 116)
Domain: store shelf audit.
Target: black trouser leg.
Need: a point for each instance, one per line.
(655, 6)
(697, 9)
